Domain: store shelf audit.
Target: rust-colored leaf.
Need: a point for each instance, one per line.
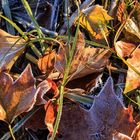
(125, 50)
(46, 63)
(10, 48)
(51, 113)
(17, 96)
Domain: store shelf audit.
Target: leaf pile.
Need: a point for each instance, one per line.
(73, 72)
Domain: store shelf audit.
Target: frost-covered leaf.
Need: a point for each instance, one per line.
(17, 96)
(125, 49)
(106, 117)
(10, 49)
(86, 60)
(108, 114)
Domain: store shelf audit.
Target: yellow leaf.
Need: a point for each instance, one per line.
(92, 18)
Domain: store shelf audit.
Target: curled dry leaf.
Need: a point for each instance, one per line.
(106, 117)
(125, 49)
(10, 48)
(132, 25)
(18, 96)
(46, 63)
(85, 61)
(93, 18)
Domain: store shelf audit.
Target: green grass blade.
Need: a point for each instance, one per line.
(29, 11)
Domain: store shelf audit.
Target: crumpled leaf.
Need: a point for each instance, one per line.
(106, 117)
(86, 60)
(46, 63)
(94, 17)
(8, 51)
(125, 49)
(17, 96)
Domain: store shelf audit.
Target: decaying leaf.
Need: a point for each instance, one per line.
(93, 18)
(10, 48)
(46, 63)
(86, 60)
(106, 117)
(17, 96)
(125, 49)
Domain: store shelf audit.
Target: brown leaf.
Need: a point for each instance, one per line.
(9, 51)
(125, 49)
(85, 61)
(46, 63)
(106, 117)
(18, 96)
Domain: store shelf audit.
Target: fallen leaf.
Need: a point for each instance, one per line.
(106, 117)
(51, 109)
(17, 96)
(46, 63)
(125, 49)
(37, 120)
(86, 60)
(10, 49)
(92, 18)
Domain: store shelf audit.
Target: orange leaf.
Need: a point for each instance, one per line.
(46, 63)
(18, 96)
(51, 113)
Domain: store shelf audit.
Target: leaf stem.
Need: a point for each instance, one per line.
(11, 132)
